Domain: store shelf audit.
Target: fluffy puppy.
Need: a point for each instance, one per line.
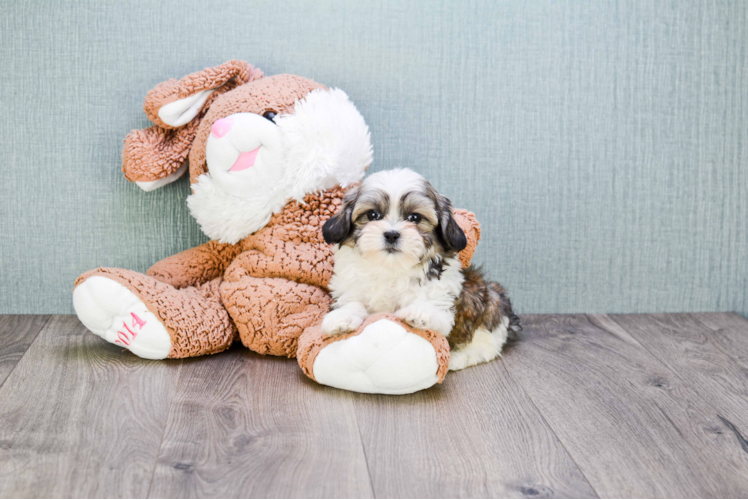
(397, 252)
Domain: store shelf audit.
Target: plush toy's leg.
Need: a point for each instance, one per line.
(152, 319)
(384, 356)
(271, 313)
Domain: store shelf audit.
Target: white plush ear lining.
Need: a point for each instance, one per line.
(182, 111)
(153, 185)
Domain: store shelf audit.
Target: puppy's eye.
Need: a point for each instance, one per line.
(415, 218)
(373, 215)
(270, 115)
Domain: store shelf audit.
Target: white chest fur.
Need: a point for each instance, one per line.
(386, 288)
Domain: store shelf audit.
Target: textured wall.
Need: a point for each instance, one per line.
(603, 144)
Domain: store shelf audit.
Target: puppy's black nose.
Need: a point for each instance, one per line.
(391, 236)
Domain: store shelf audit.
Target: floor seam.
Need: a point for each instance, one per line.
(363, 450)
(163, 433)
(560, 441)
(36, 336)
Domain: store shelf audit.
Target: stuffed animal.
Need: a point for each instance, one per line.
(269, 161)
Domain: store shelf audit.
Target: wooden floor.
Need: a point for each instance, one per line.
(580, 406)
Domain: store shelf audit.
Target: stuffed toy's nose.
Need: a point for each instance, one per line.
(221, 127)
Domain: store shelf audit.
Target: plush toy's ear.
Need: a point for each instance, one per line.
(155, 156)
(174, 103)
(471, 229)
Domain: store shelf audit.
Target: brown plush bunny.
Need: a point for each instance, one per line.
(269, 160)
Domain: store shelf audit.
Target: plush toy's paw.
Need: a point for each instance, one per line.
(383, 357)
(340, 321)
(117, 315)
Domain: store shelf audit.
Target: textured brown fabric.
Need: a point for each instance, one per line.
(224, 78)
(291, 245)
(158, 151)
(470, 226)
(154, 153)
(274, 93)
(272, 289)
(312, 341)
(269, 283)
(194, 316)
(196, 265)
(271, 313)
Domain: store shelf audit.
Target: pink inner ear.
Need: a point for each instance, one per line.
(221, 127)
(245, 160)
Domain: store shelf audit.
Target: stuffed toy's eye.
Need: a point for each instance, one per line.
(415, 218)
(373, 215)
(270, 115)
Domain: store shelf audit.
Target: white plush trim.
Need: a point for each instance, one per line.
(228, 218)
(384, 359)
(182, 111)
(152, 185)
(328, 143)
(117, 315)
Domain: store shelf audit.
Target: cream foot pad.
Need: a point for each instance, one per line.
(384, 357)
(117, 315)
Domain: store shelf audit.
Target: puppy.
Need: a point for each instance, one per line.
(397, 252)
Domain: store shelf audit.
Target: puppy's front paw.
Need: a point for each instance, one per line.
(417, 317)
(340, 321)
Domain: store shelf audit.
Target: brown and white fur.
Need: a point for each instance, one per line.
(397, 252)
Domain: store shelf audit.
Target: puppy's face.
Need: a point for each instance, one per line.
(396, 217)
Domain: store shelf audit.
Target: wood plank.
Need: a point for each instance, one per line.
(17, 332)
(633, 427)
(81, 418)
(476, 435)
(245, 425)
(708, 351)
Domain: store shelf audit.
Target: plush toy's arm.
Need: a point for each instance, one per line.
(470, 226)
(195, 266)
(309, 263)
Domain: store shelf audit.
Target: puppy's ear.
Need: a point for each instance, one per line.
(339, 227)
(453, 238)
